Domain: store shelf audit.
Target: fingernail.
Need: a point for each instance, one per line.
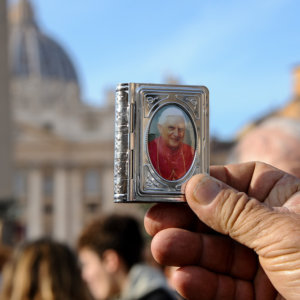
(206, 190)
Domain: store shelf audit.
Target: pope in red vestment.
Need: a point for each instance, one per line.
(170, 157)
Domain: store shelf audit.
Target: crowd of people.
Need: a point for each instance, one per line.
(236, 237)
(108, 263)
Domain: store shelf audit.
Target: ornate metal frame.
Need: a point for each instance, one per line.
(135, 179)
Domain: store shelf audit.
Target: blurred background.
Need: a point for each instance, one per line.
(61, 60)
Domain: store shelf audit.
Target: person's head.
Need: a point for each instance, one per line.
(171, 126)
(275, 141)
(43, 269)
(108, 248)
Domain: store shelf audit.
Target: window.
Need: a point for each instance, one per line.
(48, 185)
(48, 208)
(19, 185)
(92, 207)
(91, 122)
(48, 126)
(92, 183)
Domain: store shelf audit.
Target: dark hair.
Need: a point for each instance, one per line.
(43, 269)
(118, 232)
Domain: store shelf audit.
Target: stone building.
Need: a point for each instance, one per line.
(63, 153)
(290, 110)
(5, 112)
(63, 147)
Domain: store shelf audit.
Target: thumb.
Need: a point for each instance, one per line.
(231, 212)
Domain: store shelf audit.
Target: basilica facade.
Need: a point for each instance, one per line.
(63, 147)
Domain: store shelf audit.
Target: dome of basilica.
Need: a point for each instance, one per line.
(32, 53)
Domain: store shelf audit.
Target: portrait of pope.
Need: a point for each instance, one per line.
(170, 155)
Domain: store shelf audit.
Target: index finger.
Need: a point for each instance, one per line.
(167, 215)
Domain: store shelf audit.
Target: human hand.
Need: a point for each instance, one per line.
(251, 236)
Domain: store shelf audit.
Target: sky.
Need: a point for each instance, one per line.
(243, 51)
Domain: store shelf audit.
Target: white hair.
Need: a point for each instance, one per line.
(170, 111)
(258, 140)
(290, 126)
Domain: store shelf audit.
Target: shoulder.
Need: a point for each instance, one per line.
(188, 148)
(147, 283)
(158, 294)
(152, 145)
(153, 142)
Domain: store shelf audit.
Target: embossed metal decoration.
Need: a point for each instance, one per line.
(161, 140)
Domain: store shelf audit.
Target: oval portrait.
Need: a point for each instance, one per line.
(171, 142)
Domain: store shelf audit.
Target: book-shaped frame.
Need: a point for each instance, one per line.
(161, 140)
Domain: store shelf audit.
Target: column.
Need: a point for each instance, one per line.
(5, 111)
(60, 205)
(35, 205)
(107, 188)
(76, 192)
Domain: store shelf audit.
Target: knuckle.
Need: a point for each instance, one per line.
(232, 208)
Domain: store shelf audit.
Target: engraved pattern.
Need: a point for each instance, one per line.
(178, 187)
(121, 145)
(118, 190)
(205, 105)
(192, 101)
(150, 182)
(152, 100)
(117, 168)
(120, 119)
(133, 174)
(121, 138)
(120, 168)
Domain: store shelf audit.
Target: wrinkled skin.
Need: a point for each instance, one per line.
(238, 236)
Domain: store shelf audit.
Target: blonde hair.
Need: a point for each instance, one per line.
(43, 270)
